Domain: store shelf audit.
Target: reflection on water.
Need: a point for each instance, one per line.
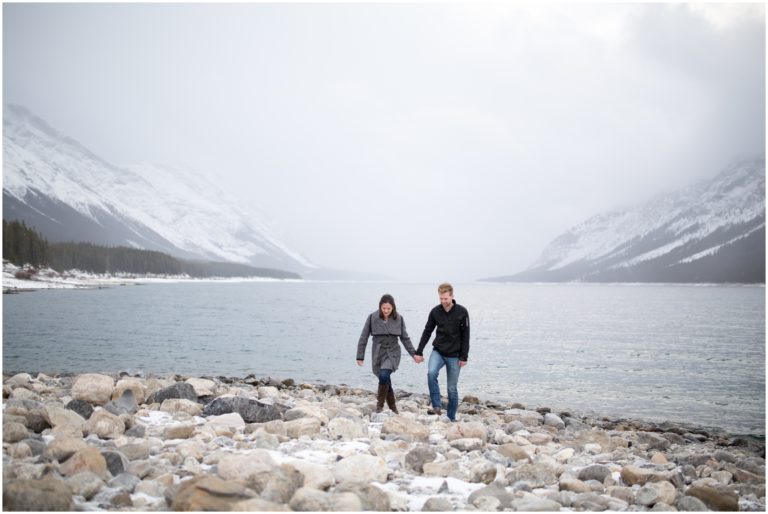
(683, 353)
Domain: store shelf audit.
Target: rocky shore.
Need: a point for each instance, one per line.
(30, 278)
(100, 442)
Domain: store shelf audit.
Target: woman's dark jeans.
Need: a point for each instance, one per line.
(384, 376)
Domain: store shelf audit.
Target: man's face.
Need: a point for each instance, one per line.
(446, 300)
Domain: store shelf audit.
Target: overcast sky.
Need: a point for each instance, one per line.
(424, 141)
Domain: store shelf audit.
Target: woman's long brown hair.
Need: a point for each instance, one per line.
(387, 298)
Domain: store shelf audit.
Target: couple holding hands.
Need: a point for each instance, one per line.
(450, 348)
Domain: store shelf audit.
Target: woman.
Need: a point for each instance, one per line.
(385, 325)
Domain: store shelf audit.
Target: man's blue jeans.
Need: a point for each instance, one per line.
(436, 362)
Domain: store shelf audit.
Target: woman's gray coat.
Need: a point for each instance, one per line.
(385, 349)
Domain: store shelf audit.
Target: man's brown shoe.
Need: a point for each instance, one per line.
(435, 410)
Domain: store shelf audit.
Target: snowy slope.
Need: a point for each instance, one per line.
(711, 232)
(67, 193)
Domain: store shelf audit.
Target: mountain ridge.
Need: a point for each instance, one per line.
(69, 193)
(713, 231)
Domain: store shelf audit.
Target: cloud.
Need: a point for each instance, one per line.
(427, 141)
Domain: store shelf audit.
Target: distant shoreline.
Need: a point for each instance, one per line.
(74, 280)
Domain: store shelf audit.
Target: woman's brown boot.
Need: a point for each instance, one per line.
(391, 401)
(381, 395)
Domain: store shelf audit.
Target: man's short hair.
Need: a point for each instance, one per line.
(445, 287)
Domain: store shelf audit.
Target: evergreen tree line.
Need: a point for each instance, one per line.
(23, 245)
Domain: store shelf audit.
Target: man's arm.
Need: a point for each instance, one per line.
(465, 339)
(428, 328)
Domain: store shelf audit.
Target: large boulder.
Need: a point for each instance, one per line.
(135, 385)
(482, 470)
(418, 456)
(179, 431)
(513, 451)
(360, 469)
(656, 492)
(104, 424)
(595, 472)
(36, 419)
(20, 380)
(371, 497)
(468, 444)
(634, 475)
(526, 417)
(715, 497)
(278, 484)
(347, 429)
(178, 390)
(691, 504)
(81, 407)
(461, 430)
(493, 490)
(208, 493)
(93, 388)
(308, 499)
(653, 441)
(553, 420)
(315, 475)
(87, 459)
(135, 451)
(37, 495)
(85, 484)
(63, 447)
(126, 404)
(306, 410)
(542, 472)
(173, 405)
(302, 426)
(230, 422)
(409, 429)
(64, 420)
(117, 463)
(14, 432)
(251, 410)
(437, 504)
(245, 466)
(202, 386)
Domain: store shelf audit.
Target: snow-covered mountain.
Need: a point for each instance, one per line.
(711, 232)
(67, 193)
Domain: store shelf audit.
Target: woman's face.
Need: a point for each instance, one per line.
(386, 309)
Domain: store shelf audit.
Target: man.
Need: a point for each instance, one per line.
(450, 348)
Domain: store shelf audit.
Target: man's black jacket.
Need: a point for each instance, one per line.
(452, 338)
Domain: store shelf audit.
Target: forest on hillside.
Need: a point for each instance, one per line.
(23, 245)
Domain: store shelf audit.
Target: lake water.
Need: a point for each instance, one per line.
(657, 352)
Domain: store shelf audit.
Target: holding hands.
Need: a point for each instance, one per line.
(418, 359)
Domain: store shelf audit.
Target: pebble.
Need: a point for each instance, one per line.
(105, 442)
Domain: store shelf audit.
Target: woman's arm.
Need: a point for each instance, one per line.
(363, 341)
